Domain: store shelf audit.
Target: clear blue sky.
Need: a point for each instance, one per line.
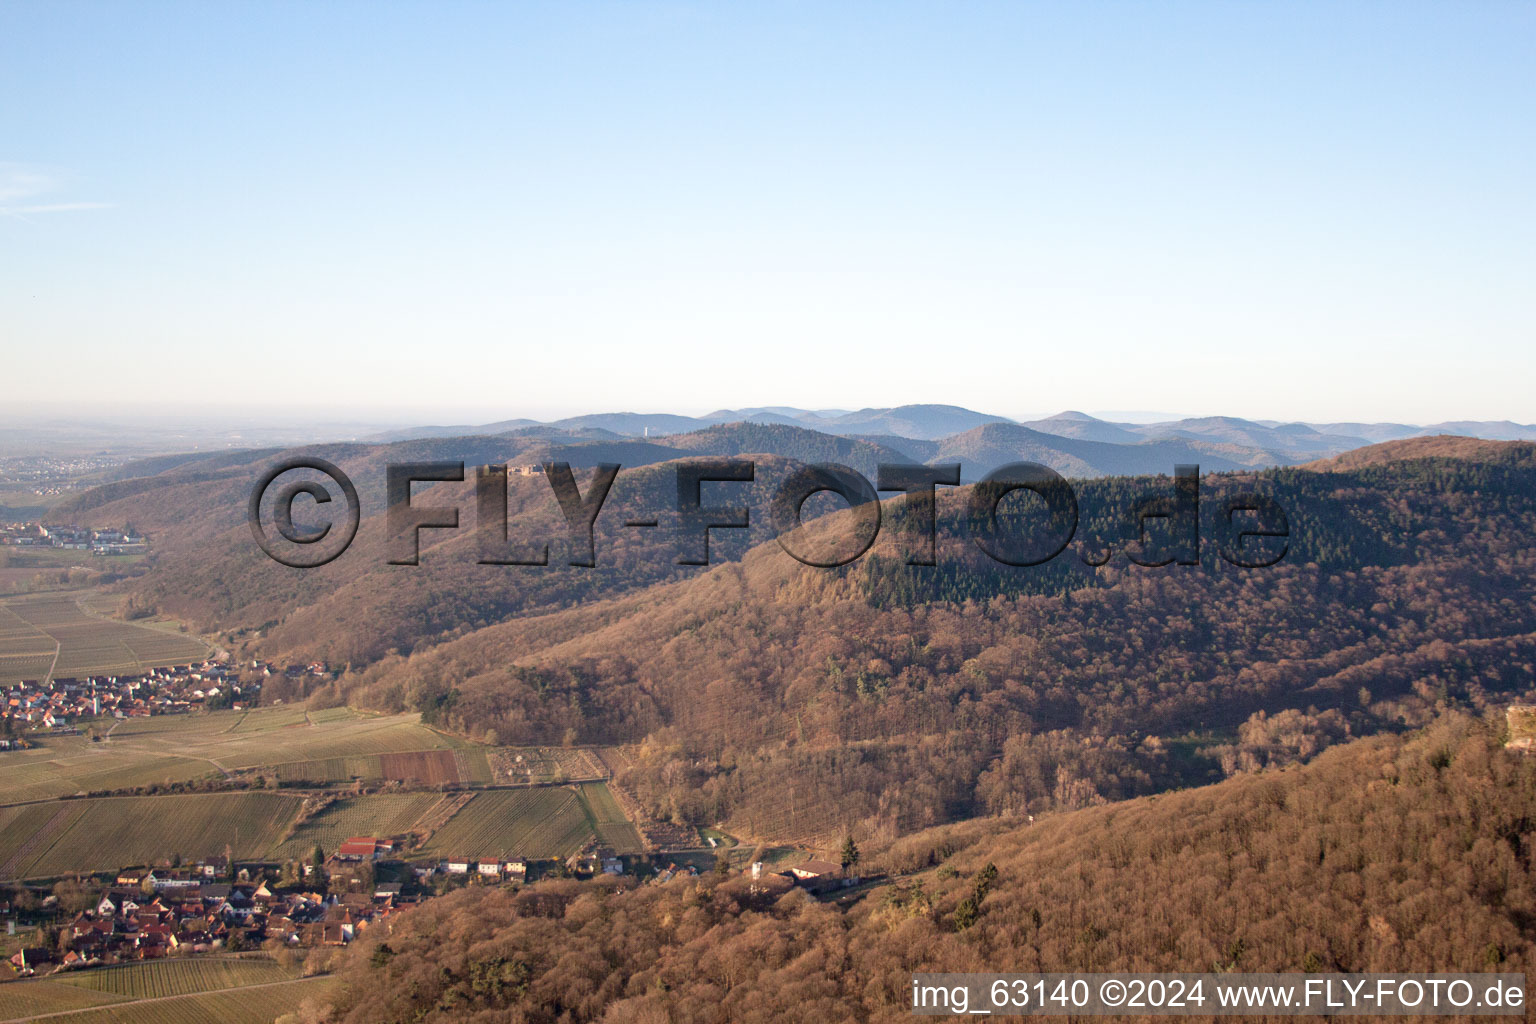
(1296, 211)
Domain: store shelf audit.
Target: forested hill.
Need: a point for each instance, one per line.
(205, 568)
(1386, 854)
(889, 698)
(1438, 446)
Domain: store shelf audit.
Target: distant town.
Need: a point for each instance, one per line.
(50, 476)
(62, 706)
(106, 541)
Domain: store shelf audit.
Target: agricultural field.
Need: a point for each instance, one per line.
(48, 839)
(57, 634)
(25, 651)
(425, 767)
(158, 978)
(549, 821)
(384, 814)
(524, 766)
(282, 717)
(180, 748)
(259, 1003)
(607, 819)
(253, 720)
(544, 822)
(60, 837)
(326, 770)
(42, 836)
(28, 998)
(192, 721)
(66, 765)
(358, 735)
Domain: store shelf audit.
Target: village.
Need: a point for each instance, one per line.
(62, 706)
(52, 475)
(218, 906)
(212, 905)
(104, 541)
(294, 909)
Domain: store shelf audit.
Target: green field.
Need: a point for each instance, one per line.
(48, 839)
(256, 1004)
(57, 634)
(607, 819)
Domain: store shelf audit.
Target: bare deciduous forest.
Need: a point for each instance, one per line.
(1298, 767)
(1393, 853)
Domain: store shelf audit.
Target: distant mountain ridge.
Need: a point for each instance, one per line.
(919, 430)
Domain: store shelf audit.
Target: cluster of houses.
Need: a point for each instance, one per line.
(59, 703)
(600, 860)
(153, 913)
(109, 541)
(492, 869)
(163, 914)
(366, 849)
(51, 474)
(592, 861)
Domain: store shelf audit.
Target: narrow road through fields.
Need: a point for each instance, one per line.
(57, 647)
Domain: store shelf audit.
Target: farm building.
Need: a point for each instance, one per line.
(361, 848)
(817, 871)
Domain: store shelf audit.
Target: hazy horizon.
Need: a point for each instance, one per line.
(20, 416)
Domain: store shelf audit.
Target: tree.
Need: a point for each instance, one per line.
(850, 855)
(73, 897)
(966, 912)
